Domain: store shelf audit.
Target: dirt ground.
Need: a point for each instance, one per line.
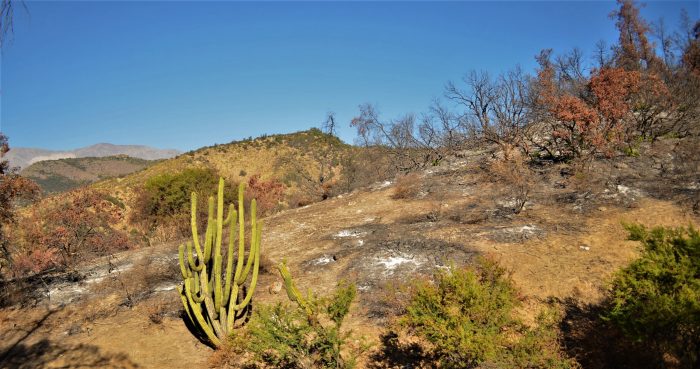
(565, 244)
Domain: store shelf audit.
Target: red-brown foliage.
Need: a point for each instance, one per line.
(36, 261)
(62, 232)
(593, 123)
(268, 194)
(691, 54)
(13, 187)
(635, 52)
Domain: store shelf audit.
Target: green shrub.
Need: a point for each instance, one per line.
(165, 198)
(468, 320)
(307, 334)
(656, 300)
(169, 194)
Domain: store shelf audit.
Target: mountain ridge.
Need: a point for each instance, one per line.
(65, 174)
(24, 156)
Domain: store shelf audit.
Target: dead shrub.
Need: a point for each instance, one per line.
(156, 312)
(407, 186)
(515, 178)
(299, 200)
(267, 266)
(362, 168)
(267, 193)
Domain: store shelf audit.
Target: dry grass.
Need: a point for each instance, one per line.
(407, 187)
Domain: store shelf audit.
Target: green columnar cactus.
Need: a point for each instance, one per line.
(305, 303)
(212, 304)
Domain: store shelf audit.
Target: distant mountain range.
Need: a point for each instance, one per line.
(23, 156)
(65, 174)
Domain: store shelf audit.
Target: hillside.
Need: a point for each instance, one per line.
(65, 174)
(561, 249)
(23, 156)
(295, 159)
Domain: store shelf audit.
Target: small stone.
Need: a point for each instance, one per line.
(584, 248)
(275, 288)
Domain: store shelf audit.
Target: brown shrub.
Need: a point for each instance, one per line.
(63, 231)
(268, 194)
(514, 177)
(407, 186)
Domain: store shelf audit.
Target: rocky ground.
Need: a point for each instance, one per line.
(123, 311)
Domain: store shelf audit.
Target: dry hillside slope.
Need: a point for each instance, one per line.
(565, 245)
(293, 159)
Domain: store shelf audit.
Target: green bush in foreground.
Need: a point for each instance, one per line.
(468, 319)
(307, 334)
(656, 300)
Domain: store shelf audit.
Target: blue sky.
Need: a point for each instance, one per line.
(189, 74)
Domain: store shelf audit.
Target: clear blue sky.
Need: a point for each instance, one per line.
(188, 74)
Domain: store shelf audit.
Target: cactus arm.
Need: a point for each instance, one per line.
(197, 295)
(241, 234)
(232, 215)
(253, 232)
(183, 297)
(292, 290)
(218, 293)
(193, 223)
(186, 273)
(231, 308)
(193, 264)
(202, 322)
(223, 321)
(210, 230)
(254, 281)
(212, 313)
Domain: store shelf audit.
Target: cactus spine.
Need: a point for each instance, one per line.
(213, 305)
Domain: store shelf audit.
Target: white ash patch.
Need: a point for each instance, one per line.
(392, 262)
(627, 191)
(165, 287)
(514, 234)
(323, 260)
(99, 276)
(693, 186)
(349, 233)
(511, 203)
(65, 293)
(381, 185)
(530, 229)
